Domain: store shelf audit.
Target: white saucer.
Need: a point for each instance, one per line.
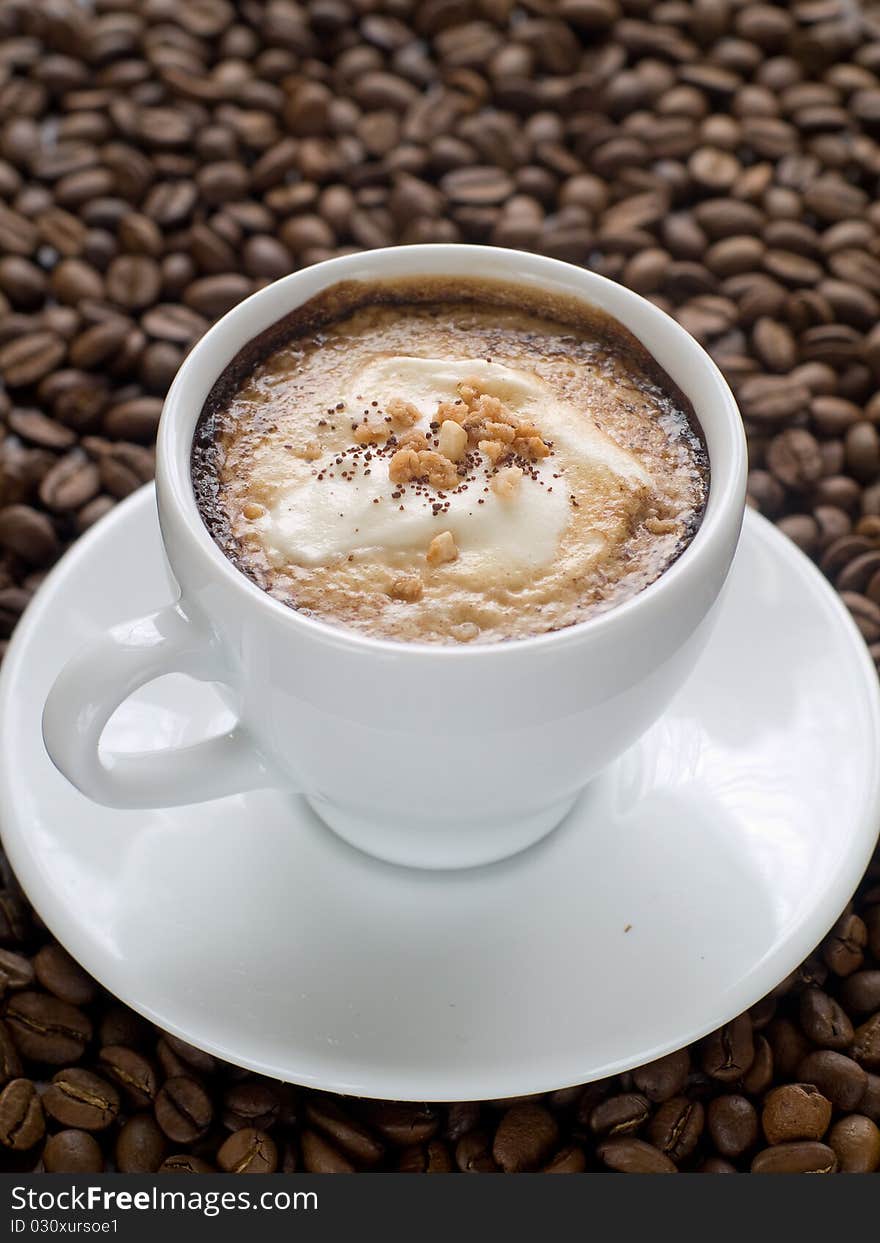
(690, 879)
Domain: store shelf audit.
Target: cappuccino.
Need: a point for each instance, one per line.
(449, 462)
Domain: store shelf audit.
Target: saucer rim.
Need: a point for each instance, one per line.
(763, 976)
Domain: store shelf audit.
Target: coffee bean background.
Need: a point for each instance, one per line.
(161, 160)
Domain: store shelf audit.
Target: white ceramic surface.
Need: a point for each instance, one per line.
(424, 755)
(727, 840)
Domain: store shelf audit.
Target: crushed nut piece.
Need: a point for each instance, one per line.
(661, 526)
(407, 587)
(493, 408)
(488, 423)
(442, 549)
(404, 413)
(452, 412)
(438, 470)
(506, 483)
(468, 390)
(453, 440)
(413, 440)
(495, 450)
(370, 433)
(531, 447)
(404, 466)
(435, 469)
(501, 431)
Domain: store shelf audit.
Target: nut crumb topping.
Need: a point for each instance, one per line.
(403, 413)
(370, 433)
(453, 440)
(506, 483)
(661, 526)
(404, 466)
(495, 450)
(408, 465)
(438, 470)
(407, 587)
(413, 440)
(442, 549)
(474, 420)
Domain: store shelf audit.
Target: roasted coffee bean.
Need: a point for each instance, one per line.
(134, 419)
(140, 1146)
(661, 1080)
(795, 1111)
(28, 534)
(132, 1072)
(855, 1141)
(99, 343)
(21, 1115)
(168, 322)
(73, 281)
(77, 1098)
(46, 1029)
(71, 483)
(789, 1046)
(837, 1077)
(733, 1125)
(866, 1043)
(796, 1158)
(248, 1151)
(844, 947)
(716, 1165)
(728, 1053)
(134, 281)
(676, 1127)
(794, 458)
(183, 1109)
(860, 992)
(620, 1115)
(824, 1020)
(26, 359)
(14, 921)
(473, 1154)
(760, 1074)
(36, 428)
(16, 971)
(526, 1136)
(171, 1065)
(72, 1152)
(627, 1155)
(345, 1132)
(188, 1053)
(460, 1119)
(252, 1103)
(569, 1160)
(431, 1158)
(120, 1026)
(403, 1124)
(321, 1157)
(10, 1062)
(212, 296)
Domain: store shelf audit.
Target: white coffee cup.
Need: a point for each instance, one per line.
(426, 755)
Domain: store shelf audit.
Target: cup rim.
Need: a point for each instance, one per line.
(182, 408)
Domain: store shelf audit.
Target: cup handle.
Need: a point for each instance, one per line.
(92, 686)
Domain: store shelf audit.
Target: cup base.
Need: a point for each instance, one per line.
(440, 846)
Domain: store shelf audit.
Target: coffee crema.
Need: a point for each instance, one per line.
(449, 461)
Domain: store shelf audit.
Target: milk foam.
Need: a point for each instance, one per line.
(315, 522)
